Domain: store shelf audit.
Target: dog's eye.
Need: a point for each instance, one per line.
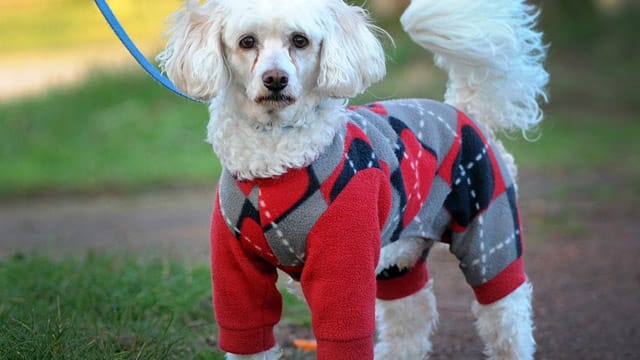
(299, 41)
(248, 42)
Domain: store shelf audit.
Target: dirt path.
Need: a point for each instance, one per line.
(581, 255)
(174, 223)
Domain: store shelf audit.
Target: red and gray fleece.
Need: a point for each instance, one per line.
(403, 168)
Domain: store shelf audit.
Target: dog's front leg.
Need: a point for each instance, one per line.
(406, 325)
(506, 326)
(274, 353)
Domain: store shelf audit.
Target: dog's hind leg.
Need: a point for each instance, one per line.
(506, 326)
(405, 325)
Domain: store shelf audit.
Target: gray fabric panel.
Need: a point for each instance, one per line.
(329, 160)
(288, 237)
(380, 133)
(232, 199)
(393, 219)
(489, 244)
(506, 175)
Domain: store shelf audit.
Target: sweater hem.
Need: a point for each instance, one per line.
(357, 349)
(246, 341)
(501, 285)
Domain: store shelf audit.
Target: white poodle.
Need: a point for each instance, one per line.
(348, 200)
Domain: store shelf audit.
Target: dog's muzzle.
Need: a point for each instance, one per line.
(275, 81)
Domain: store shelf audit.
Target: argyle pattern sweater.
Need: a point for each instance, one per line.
(403, 168)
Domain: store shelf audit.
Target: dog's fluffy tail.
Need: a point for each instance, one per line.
(492, 54)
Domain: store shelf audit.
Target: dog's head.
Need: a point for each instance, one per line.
(272, 53)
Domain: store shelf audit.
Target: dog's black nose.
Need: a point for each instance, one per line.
(275, 80)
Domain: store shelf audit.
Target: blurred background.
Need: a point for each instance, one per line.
(78, 115)
(100, 162)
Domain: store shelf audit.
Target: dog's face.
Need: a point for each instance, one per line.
(272, 56)
(274, 61)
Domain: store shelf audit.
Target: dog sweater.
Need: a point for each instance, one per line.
(397, 169)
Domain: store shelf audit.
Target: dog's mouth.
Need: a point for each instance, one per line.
(276, 100)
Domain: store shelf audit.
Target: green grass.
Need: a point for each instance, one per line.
(110, 307)
(575, 142)
(104, 307)
(119, 131)
(598, 157)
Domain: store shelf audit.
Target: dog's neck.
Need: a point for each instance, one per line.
(253, 144)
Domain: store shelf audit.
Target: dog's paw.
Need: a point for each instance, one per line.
(274, 353)
(406, 349)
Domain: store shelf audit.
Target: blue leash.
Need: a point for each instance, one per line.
(135, 52)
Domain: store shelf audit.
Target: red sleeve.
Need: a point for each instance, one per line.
(339, 272)
(246, 301)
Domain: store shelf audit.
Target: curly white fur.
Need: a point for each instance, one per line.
(403, 253)
(405, 326)
(505, 326)
(325, 51)
(492, 54)
(251, 150)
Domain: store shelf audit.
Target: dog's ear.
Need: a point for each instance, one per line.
(352, 57)
(193, 58)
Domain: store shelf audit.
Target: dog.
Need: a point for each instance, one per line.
(349, 200)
